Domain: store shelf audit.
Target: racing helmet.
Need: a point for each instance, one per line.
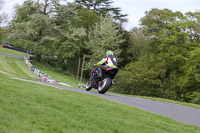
(108, 53)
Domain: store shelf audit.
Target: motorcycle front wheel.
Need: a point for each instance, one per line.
(104, 85)
(88, 85)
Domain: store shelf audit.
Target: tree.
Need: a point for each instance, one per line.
(66, 15)
(47, 27)
(23, 12)
(134, 46)
(87, 18)
(35, 27)
(72, 42)
(102, 7)
(123, 47)
(138, 44)
(193, 26)
(170, 66)
(3, 16)
(168, 45)
(191, 79)
(71, 34)
(105, 36)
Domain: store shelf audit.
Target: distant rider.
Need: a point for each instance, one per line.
(109, 61)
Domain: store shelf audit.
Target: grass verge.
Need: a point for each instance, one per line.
(161, 100)
(29, 107)
(171, 101)
(10, 51)
(61, 77)
(15, 67)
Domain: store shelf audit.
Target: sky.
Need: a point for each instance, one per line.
(134, 8)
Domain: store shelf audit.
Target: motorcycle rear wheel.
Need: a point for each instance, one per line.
(104, 85)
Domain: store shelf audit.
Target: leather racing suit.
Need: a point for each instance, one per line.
(107, 62)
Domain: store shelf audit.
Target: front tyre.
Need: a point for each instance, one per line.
(88, 85)
(104, 85)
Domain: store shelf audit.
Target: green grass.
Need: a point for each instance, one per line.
(29, 107)
(15, 67)
(61, 77)
(10, 51)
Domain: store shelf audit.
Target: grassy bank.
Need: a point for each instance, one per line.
(58, 76)
(15, 67)
(10, 51)
(28, 107)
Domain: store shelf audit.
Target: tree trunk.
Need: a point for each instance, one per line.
(36, 57)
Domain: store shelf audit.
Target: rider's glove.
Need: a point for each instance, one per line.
(95, 65)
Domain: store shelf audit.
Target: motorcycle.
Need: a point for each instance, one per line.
(101, 84)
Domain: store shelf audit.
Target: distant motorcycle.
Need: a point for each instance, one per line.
(101, 84)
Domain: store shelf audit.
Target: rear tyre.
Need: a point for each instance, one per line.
(88, 85)
(104, 85)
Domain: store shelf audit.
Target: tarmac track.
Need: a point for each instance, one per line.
(9, 55)
(177, 112)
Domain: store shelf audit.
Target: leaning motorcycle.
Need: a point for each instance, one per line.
(101, 84)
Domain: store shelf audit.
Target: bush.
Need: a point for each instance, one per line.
(122, 84)
(196, 98)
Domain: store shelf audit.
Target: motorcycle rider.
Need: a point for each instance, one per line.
(109, 61)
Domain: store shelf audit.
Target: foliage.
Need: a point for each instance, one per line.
(33, 27)
(196, 98)
(45, 35)
(166, 65)
(3, 16)
(22, 12)
(104, 36)
(72, 42)
(138, 44)
(87, 18)
(2, 35)
(102, 7)
(36, 33)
